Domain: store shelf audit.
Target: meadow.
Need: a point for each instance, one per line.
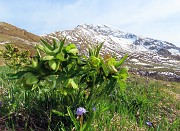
(58, 90)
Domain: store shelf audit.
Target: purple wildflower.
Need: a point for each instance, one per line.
(80, 111)
(94, 108)
(149, 123)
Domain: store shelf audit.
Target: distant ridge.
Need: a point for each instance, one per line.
(10, 30)
(21, 38)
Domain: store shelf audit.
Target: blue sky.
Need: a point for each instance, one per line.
(159, 19)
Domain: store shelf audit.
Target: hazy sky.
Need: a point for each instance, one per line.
(158, 19)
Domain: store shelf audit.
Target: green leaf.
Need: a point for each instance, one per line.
(55, 44)
(49, 52)
(73, 118)
(119, 63)
(60, 56)
(57, 47)
(89, 122)
(46, 45)
(95, 61)
(61, 44)
(104, 109)
(58, 113)
(32, 80)
(73, 51)
(98, 49)
(53, 64)
(35, 63)
(105, 69)
(40, 47)
(71, 48)
(123, 73)
(49, 57)
(17, 75)
(71, 84)
(111, 61)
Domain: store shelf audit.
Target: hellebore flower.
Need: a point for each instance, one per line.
(80, 111)
(149, 123)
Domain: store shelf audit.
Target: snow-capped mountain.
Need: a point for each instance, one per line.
(146, 56)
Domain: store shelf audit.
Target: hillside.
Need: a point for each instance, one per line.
(19, 37)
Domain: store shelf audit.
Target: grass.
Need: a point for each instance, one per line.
(143, 100)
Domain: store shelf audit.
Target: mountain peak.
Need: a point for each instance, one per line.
(145, 53)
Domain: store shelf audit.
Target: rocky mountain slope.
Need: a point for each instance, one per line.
(156, 58)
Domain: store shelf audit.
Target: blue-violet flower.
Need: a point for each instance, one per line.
(149, 123)
(80, 111)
